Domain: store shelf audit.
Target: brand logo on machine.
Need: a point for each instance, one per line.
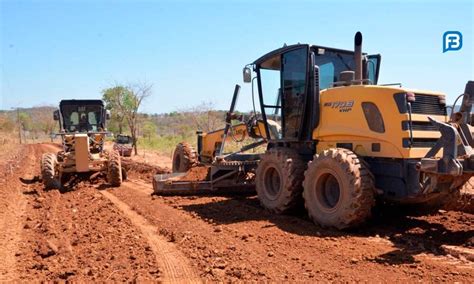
(341, 106)
(452, 40)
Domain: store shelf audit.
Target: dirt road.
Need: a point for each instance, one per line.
(125, 234)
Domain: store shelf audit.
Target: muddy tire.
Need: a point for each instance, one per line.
(184, 158)
(48, 171)
(279, 179)
(338, 189)
(124, 174)
(114, 169)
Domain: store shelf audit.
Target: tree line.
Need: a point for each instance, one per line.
(29, 123)
(124, 102)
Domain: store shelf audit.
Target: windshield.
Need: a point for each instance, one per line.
(123, 139)
(82, 118)
(331, 63)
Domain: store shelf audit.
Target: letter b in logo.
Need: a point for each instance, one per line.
(452, 40)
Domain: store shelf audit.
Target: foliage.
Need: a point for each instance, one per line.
(177, 126)
(110, 96)
(34, 123)
(126, 100)
(159, 132)
(165, 144)
(149, 130)
(25, 121)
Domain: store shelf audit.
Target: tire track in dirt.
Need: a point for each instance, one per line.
(12, 205)
(50, 147)
(175, 266)
(79, 235)
(231, 238)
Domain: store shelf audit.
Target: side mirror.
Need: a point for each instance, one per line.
(247, 75)
(107, 114)
(56, 115)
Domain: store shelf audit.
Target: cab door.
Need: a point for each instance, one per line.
(294, 77)
(372, 68)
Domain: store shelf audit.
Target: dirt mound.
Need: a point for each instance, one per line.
(465, 203)
(199, 173)
(142, 170)
(68, 236)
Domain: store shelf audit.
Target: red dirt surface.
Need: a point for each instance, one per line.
(77, 235)
(466, 201)
(199, 173)
(142, 170)
(96, 233)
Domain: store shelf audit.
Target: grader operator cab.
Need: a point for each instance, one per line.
(338, 140)
(83, 130)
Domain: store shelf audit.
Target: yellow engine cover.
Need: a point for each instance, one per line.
(342, 120)
(81, 147)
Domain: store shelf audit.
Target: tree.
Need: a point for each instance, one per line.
(43, 118)
(149, 129)
(204, 116)
(110, 97)
(126, 101)
(6, 123)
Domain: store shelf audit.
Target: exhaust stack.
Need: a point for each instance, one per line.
(358, 57)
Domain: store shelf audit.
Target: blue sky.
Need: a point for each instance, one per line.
(194, 51)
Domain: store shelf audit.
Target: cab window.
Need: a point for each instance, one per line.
(283, 80)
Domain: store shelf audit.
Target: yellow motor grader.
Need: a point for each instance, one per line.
(336, 139)
(83, 130)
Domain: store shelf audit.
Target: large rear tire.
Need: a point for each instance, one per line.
(48, 171)
(279, 179)
(184, 158)
(338, 189)
(114, 169)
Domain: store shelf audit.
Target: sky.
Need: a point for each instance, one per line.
(193, 52)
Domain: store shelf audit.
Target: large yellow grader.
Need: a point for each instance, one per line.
(336, 139)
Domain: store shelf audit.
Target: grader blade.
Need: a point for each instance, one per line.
(223, 176)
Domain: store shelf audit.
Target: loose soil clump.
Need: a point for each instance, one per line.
(200, 173)
(142, 170)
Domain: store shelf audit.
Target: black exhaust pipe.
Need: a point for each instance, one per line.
(358, 57)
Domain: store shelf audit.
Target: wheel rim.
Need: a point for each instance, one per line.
(328, 192)
(272, 182)
(177, 162)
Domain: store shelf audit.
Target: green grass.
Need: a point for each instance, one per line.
(164, 144)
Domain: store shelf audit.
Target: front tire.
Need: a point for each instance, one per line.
(48, 170)
(184, 158)
(279, 179)
(338, 189)
(114, 169)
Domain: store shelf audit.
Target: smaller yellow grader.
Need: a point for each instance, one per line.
(83, 130)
